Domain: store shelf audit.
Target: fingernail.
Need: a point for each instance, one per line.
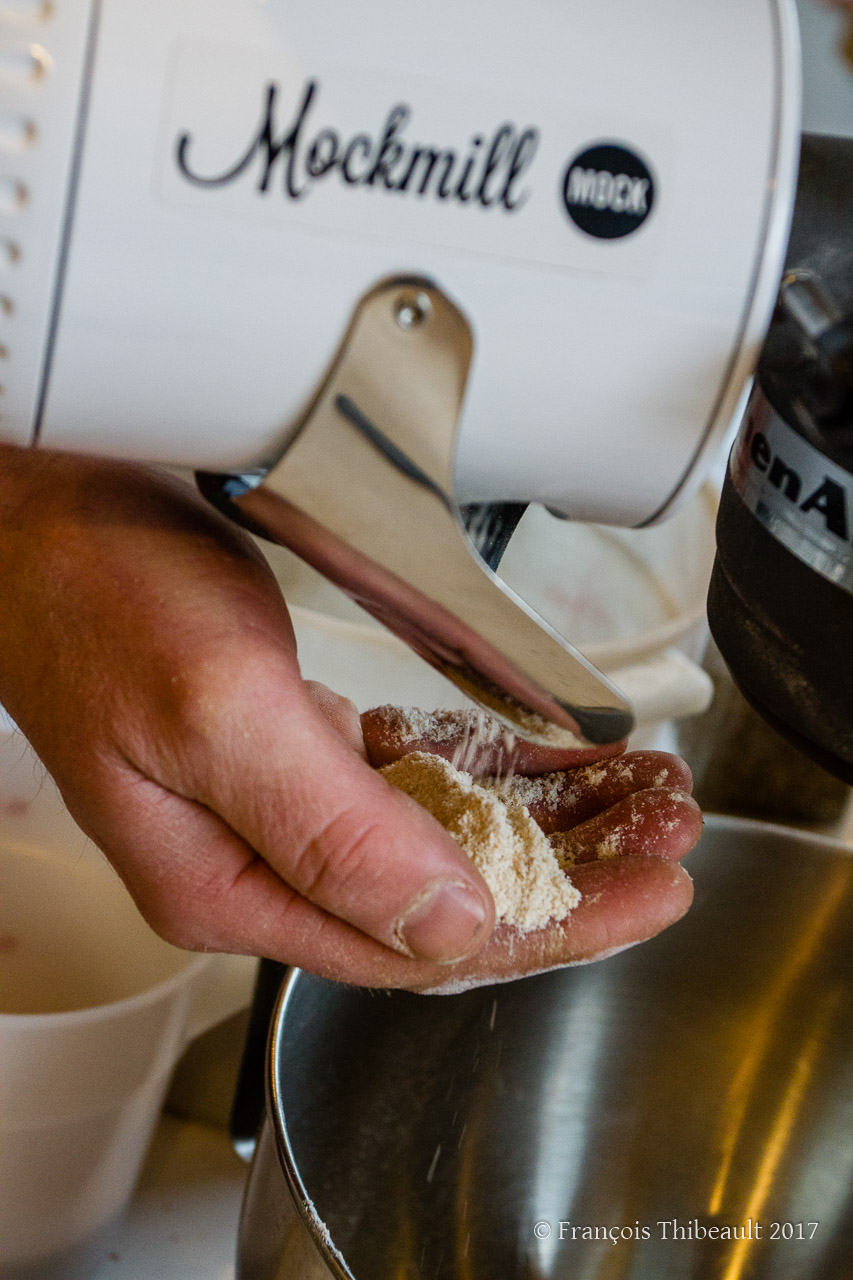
(443, 923)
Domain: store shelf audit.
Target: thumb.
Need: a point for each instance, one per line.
(333, 829)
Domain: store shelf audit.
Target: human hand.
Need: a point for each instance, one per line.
(147, 654)
(626, 822)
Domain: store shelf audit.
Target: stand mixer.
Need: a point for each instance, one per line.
(361, 266)
(781, 600)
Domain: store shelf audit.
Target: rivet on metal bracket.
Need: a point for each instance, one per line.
(364, 493)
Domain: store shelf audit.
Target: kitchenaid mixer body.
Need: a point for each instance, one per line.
(781, 600)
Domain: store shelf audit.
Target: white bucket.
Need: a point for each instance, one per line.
(33, 815)
(633, 601)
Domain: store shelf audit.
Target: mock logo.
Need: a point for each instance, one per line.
(608, 191)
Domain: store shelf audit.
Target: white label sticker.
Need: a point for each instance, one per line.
(802, 499)
(356, 152)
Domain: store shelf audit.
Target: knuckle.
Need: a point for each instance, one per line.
(175, 926)
(177, 917)
(203, 696)
(337, 857)
(201, 687)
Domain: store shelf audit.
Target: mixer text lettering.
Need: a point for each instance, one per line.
(598, 189)
(829, 499)
(488, 172)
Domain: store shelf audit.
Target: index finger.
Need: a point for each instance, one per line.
(469, 739)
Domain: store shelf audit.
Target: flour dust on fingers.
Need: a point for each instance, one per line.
(574, 851)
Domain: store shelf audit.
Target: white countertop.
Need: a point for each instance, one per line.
(182, 1223)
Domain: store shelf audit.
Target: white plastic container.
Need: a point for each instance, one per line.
(81, 1083)
(95, 1011)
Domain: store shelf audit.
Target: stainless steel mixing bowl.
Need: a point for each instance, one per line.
(703, 1080)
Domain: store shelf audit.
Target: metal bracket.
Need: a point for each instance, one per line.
(364, 494)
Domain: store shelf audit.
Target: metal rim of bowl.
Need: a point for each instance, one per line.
(310, 1219)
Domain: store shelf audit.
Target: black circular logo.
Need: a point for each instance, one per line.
(608, 191)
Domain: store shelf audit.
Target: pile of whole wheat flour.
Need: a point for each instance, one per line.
(510, 850)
